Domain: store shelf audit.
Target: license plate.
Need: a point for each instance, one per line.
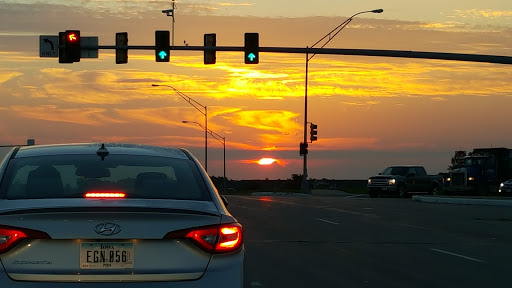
(106, 255)
(384, 188)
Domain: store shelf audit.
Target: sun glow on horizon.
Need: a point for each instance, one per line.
(268, 161)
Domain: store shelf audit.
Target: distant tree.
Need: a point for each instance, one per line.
(294, 182)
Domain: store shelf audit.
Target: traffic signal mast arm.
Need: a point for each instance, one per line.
(334, 51)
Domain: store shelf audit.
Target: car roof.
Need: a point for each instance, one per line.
(92, 148)
(405, 166)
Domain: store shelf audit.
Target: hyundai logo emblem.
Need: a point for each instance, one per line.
(107, 229)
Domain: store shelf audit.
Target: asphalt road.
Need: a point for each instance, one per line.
(364, 242)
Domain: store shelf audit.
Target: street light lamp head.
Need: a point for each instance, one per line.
(155, 85)
(378, 11)
(185, 121)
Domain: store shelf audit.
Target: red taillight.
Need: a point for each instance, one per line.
(105, 194)
(204, 238)
(229, 238)
(10, 236)
(223, 238)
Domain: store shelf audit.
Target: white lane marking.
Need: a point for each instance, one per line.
(256, 284)
(457, 255)
(327, 221)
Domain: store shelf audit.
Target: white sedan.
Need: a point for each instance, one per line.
(114, 215)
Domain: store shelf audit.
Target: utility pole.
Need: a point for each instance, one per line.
(170, 12)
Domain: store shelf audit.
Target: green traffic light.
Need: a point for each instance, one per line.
(251, 48)
(162, 55)
(251, 56)
(162, 52)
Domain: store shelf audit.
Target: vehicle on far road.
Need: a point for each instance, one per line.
(114, 215)
(481, 172)
(505, 188)
(403, 181)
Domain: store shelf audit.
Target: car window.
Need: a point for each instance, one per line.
(402, 171)
(420, 171)
(71, 176)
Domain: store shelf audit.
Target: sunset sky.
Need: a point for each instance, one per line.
(371, 112)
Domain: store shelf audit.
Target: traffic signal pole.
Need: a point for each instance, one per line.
(304, 184)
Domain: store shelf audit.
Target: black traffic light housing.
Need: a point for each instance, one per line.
(162, 46)
(121, 47)
(252, 48)
(303, 148)
(210, 40)
(313, 132)
(69, 46)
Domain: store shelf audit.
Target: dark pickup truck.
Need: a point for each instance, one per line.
(404, 180)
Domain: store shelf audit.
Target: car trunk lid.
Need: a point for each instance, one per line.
(106, 241)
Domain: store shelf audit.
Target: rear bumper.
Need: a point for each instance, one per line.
(224, 270)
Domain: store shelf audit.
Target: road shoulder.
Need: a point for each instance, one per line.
(463, 201)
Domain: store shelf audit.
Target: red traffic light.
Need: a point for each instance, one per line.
(72, 36)
(69, 46)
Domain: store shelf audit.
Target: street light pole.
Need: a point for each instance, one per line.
(196, 105)
(329, 36)
(219, 138)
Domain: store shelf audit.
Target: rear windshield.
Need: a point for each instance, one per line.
(72, 176)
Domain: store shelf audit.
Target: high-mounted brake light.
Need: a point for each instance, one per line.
(216, 239)
(10, 236)
(105, 194)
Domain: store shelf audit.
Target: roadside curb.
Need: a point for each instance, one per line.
(462, 201)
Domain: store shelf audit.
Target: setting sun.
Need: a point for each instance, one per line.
(267, 161)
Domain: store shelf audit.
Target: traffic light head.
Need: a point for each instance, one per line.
(210, 40)
(303, 148)
(252, 48)
(121, 47)
(313, 132)
(162, 48)
(69, 46)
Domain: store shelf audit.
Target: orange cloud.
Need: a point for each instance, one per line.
(8, 75)
(487, 13)
(87, 116)
(281, 121)
(168, 116)
(235, 4)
